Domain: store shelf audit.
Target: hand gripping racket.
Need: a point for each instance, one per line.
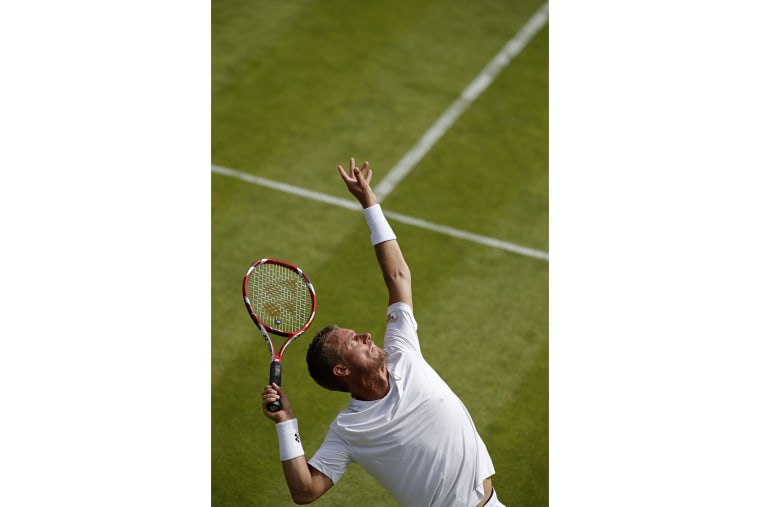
(281, 300)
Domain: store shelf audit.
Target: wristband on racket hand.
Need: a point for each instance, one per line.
(379, 229)
(290, 440)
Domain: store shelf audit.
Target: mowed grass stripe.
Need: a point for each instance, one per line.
(467, 97)
(342, 78)
(489, 173)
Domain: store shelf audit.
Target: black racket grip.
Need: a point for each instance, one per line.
(275, 377)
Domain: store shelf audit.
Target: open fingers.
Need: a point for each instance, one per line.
(354, 173)
(349, 176)
(363, 175)
(366, 172)
(343, 174)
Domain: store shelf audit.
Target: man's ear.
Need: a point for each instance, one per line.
(340, 370)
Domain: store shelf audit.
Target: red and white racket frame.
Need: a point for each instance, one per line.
(275, 368)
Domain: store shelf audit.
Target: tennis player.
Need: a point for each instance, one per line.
(404, 425)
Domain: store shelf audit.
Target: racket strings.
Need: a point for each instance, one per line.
(280, 297)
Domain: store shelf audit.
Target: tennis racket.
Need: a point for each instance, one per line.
(281, 300)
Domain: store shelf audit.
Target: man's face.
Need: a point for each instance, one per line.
(359, 352)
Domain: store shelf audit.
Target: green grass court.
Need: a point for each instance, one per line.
(300, 86)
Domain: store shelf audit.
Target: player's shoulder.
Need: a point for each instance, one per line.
(396, 310)
(401, 327)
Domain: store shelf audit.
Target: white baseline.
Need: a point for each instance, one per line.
(353, 205)
(468, 96)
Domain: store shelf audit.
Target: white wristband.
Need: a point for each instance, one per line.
(379, 229)
(290, 441)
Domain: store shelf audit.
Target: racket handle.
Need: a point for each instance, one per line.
(275, 377)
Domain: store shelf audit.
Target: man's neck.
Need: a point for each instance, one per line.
(374, 388)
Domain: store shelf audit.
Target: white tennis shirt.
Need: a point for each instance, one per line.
(418, 441)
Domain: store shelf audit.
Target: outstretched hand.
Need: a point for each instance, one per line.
(357, 181)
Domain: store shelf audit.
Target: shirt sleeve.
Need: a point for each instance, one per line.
(401, 329)
(333, 456)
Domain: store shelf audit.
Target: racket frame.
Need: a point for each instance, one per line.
(275, 367)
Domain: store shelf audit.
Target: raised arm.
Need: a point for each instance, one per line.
(398, 278)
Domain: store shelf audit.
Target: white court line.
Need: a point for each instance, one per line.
(468, 96)
(353, 205)
(289, 189)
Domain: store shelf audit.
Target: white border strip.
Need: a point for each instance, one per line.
(353, 205)
(469, 236)
(289, 189)
(516, 44)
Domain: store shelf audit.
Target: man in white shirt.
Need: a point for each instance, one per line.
(404, 425)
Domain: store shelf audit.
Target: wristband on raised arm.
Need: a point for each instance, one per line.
(379, 229)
